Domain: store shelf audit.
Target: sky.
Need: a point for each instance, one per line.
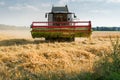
(24, 12)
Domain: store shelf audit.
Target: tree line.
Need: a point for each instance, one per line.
(106, 28)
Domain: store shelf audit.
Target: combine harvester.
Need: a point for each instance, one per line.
(61, 26)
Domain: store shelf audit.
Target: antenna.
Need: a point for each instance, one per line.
(51, 2)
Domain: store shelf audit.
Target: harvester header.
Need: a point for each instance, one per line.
(61, 25)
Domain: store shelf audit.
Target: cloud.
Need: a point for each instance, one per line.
(2, 3)
(31, 7)
(45, 5)
(15, 7)
(63, 2)
(99, 11)
(23, 7)
(66, 1)
(113, 1)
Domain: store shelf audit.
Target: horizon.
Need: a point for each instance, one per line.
(24, 12)
(29, 26)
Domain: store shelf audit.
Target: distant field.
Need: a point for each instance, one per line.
(19, 54)
(26, 33)
(105, 34)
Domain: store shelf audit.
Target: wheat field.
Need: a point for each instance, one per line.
(20, 54)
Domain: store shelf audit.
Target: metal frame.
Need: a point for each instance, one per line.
(62, 26)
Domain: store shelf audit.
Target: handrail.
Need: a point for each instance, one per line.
(58, 26)
(61, 24)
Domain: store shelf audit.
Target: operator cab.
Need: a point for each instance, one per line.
(60, 16)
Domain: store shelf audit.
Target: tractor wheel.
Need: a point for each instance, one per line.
(72, 39)
(46, 38)
(50, 39)
(69, 39)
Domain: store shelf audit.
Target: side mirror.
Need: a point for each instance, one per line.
(75, 16)
(46, 15)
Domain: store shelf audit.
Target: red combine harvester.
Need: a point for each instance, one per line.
(60, 26)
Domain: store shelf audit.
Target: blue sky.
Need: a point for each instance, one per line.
(23, 12)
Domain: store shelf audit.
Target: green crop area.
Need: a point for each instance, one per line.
(60, 34)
